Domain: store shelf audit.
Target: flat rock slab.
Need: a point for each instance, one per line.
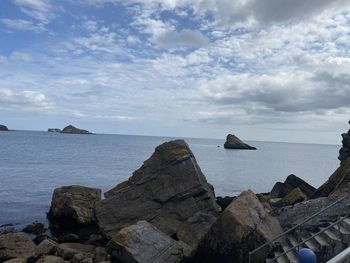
(14, 246)
(144, 243)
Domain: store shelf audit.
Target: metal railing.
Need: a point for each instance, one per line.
(341, 257)
(298, 227)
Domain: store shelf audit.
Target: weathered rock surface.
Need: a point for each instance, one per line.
(280, 190)
(73, 130)
(3, 128)
(46, 247)
(241, 227)
(233, 142)
(69, 250)
(344, 152)
(14, 246)
(166, 191)
(337, 183)
(16, 260)
(73, 207)
(35, 228)
(144, 243)
(50, 259)
(295, 196)
(291, 215)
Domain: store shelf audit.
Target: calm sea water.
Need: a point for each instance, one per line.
(33, 164)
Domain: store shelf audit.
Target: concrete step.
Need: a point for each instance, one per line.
(346, 223)
(325, 248)
(334, 239)
(291, 255)
(310, 244)
(281, 259)
(343, 233)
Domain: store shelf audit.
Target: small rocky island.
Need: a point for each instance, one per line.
(3, 128)
(53, 130)
(73, 130)
(233, 142)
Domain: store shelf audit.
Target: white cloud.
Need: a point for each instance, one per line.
(41, 10)
(20, 24)
(20, 57)
(183, 39)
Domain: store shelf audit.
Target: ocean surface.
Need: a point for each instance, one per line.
(33, 164)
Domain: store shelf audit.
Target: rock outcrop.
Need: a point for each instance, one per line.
(144, 243)
(240, 228)
(73, 208)
(337, 183)
(3, 128)
(73, 130)
(35, 228)
(232, 142)
(280, 190)
(168, 190)
(344, 152)
(14, 246)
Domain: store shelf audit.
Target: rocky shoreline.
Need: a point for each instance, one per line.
(167, 212)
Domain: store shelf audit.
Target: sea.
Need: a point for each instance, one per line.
(33, 164)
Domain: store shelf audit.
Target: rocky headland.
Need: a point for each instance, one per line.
(3, 128)
(73, 130)
(233, 142)
(167, 212)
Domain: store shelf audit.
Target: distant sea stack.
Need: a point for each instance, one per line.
(344, 152)
(53, 130)
(232, 142)
(73, 130)
(3, 128)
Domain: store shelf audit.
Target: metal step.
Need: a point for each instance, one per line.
(291, 255)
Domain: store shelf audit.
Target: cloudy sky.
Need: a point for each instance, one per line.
(276, 70)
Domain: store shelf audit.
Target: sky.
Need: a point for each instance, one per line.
(266, 70)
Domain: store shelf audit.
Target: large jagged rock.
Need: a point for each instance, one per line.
(167, 191)
(3, 128)
(144, 243)
(337, 183)
(280, 190)
(14, 246)
(242, 226)
(72, 208)
(233, 142)
(73, 130)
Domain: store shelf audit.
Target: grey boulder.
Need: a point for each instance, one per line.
(14, 246)
(233, 142)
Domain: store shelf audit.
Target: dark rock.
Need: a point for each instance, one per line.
(69, 250)
(241, 227)
(100, 255)
(280, 190)
(54, 130)
(295, 196)
(38, 239)
(68, 238)
(224, 202)
(97, 240)
(14, 246)
(72, 209)
(35, 228)
(166, 191)
(344, 151)
(16, 260)
(144, 243)
(337, 183)
(232, 142)
(3, 128)
(73, 130)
